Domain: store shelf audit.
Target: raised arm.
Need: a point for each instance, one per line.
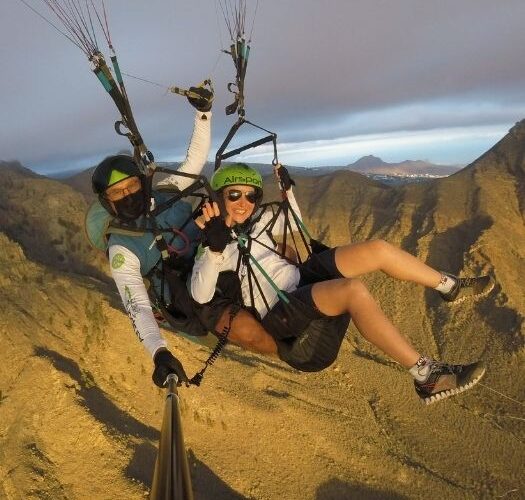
(196, 155)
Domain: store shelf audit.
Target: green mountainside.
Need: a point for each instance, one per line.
(79, 416)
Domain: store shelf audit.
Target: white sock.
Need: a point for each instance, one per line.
(446, 284)
(421, 369)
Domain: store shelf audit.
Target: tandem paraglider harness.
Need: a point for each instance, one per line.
(79, 28)
(295, 233)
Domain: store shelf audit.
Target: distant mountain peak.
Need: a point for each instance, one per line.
(367, 161)
(16, 167)
(373, 165)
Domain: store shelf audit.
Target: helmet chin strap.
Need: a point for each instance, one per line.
(243, 227)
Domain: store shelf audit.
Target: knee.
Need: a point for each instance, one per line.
(247, 331)
(354, 289)
(353, 286)
(380, 246)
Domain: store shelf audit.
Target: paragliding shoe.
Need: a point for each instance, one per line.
(445, 380)
(467, 288)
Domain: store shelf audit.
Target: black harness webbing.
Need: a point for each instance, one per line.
(222, 154)
(245, 258)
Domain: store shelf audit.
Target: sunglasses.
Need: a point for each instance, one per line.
(236, 195)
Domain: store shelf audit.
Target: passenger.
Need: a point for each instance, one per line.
(308, 327)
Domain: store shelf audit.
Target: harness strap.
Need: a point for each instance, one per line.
(222, 154)
(245, 242)
(245, 253)
(278, 291)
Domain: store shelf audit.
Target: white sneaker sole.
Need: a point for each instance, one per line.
(452, 392)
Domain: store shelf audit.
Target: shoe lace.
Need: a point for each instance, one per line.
(467, 281)
(437, 366)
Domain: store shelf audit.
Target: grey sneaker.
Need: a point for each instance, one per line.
(467, 288)
(445, 380)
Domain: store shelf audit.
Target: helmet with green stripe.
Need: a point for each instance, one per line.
(236, 174)
(111, 171)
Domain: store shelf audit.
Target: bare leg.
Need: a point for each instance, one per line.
(379, 255)
(248, 333)
(342, 296)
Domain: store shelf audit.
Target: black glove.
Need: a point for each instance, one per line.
(166, 363)
(284, 176)
(217, 234)
(204, 101)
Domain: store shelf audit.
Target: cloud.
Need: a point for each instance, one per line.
(318, 71)
(391, 146)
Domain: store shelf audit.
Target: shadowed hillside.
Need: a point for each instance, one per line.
(76, 400)
(82, 183)
(47, 219)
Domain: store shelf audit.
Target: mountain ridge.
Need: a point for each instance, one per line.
(367, 165)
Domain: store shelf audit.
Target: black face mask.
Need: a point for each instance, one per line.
(130, 207)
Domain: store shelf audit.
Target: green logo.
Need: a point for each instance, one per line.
(117, 261)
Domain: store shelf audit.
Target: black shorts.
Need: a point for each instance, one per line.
(194, 319)
(307, 339)
(319, 267)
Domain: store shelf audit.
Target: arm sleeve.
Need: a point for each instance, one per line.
(279, 226)
(205, 273)
(125, 269)
(196, 155)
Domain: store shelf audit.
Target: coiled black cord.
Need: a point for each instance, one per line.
(223, 340)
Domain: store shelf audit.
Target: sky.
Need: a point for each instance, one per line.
(336, 80)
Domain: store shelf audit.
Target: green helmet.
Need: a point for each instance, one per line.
(236, 174)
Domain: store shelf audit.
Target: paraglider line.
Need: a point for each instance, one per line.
(253, 22)
(91, 23)
(54, 26)
(501, 394)
(146, 81)
(71, 23)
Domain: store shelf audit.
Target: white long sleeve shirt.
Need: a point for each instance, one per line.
(286, 276)
(126, 265)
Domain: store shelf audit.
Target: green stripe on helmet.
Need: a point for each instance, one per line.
(124, 164)
(117, 176)
(236, 174)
